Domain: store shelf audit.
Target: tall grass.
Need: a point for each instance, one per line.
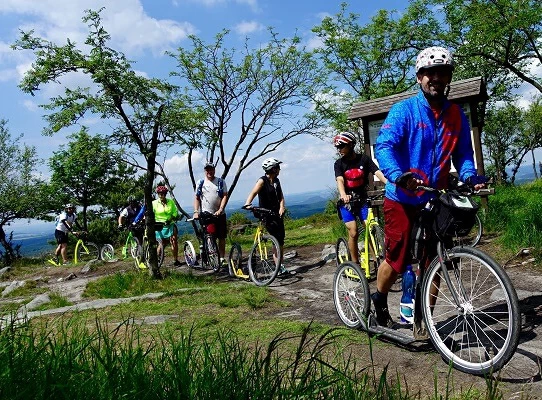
(515, 212)
(71, 359)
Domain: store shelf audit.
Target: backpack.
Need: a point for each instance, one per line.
(220, 187)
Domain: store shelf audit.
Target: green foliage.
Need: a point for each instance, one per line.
(88, 172)
(496, 39)
(71, 358)
(238, 218)
(146, 114)
(516, 212)
(104, 230)
(271, 87)
(21, 191)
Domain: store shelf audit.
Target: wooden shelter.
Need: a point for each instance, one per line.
(468, 93)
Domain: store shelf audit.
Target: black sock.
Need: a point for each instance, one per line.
(380, 298)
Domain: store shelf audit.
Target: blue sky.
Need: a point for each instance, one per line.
(144, 30)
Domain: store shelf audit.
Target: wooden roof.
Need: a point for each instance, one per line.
(463, 91)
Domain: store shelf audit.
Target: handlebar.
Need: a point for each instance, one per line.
(372, 197)
(259, 212)
(466, 187)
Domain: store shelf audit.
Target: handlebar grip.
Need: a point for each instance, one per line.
(403, 179)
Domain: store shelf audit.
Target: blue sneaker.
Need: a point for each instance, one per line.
(283, 272)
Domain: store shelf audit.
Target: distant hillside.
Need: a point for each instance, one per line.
(525, 174)
(300, 205)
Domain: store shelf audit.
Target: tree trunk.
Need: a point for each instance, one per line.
(9, 252)
(534, 164)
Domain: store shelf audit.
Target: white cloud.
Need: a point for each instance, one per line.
(314, 43)
(307, 166)
(246, 27)
(132, 31)
(253, 4)
(31, 105)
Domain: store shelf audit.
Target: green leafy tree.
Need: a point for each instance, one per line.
(531, 136)
(498, 40)
(145, 113)
(372, 60)
(21, 191)
(502, 138)
(87, 171)
(499, 35)
(257, 99)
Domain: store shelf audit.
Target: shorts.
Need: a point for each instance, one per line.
(398, 221)
(221, 226)
(61, 237)
(275, 227)
(166, 232)
(348, 216)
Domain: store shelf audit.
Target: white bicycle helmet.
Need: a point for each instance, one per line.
(69, 205)
(434, 57)
(344, 138)
(270, 163)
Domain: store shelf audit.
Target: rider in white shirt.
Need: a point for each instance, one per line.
(66, 221)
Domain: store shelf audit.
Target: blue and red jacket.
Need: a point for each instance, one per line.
(413, 139)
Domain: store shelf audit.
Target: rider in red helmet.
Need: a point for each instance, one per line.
(352, 176)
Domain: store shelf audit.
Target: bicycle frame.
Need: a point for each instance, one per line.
(200, 230)
(80, 242)
(258, 239)
(369, 241)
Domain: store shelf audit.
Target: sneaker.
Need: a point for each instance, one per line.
(66, 263)
(283, 272)
(223, 263)
(383, 317)
(177, 263)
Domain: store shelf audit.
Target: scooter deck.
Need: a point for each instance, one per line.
(403, 336)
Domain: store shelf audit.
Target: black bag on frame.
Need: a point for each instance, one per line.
(455, 215)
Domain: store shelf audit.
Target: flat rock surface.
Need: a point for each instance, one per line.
(309, 295)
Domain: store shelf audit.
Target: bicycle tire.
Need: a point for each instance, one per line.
(134, 247)
(473, 237)
(213, 256)
(342, 252)
(263, 261)
(481, 334)
(235, 259)
(190, 255)
(107, 253)
(137, 253)
(378, 249)
(88, 251)
(159, 254)
(351, 295)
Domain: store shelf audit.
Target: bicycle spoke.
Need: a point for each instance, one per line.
(351, 295)
(479, 333)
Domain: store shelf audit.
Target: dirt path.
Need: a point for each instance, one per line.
(309, 295)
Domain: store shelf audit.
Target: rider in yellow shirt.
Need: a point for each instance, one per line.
(165, 211)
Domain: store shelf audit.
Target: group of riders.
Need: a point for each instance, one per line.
(416, 145)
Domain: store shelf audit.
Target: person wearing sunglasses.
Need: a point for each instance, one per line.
(352, 176)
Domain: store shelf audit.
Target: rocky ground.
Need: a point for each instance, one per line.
(309, 295)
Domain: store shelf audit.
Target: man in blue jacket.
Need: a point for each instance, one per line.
(421, 135)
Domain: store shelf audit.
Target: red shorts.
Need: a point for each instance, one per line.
(398, 221)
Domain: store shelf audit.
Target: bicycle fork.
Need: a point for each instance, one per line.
(419, 327)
